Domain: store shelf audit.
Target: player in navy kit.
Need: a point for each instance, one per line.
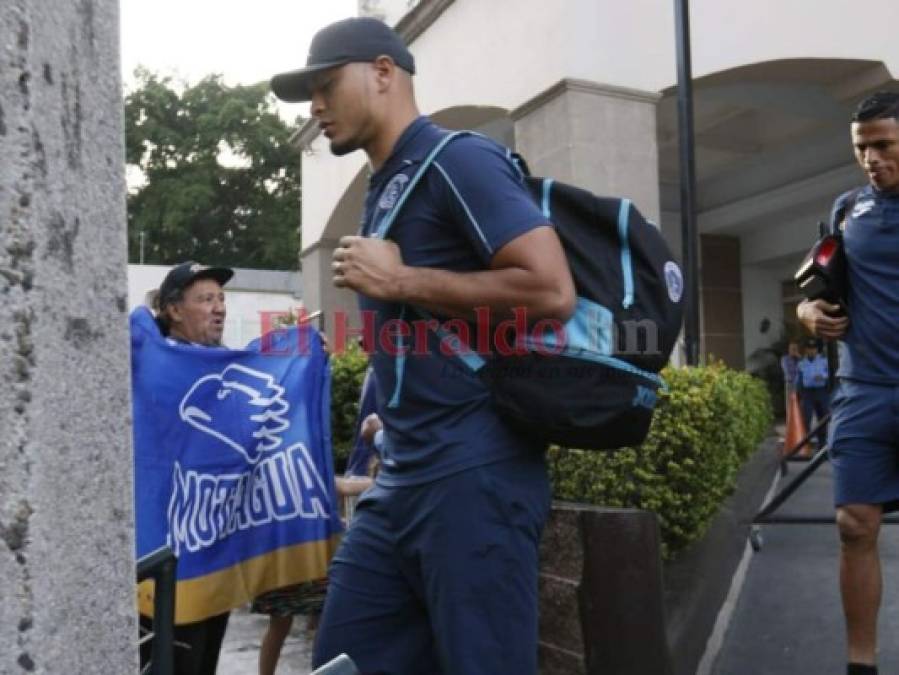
(438, 573)
(864, 428)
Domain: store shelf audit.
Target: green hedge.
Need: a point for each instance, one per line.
(705, 426)
(347, 373)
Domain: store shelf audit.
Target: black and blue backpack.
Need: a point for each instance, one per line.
(594, 387)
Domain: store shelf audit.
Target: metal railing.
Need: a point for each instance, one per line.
(160, 565)
(766, 514)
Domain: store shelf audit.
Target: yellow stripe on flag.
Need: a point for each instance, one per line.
(201, 597)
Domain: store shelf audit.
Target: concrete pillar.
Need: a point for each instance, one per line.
(66, 524)
(721, 297)
(319, 292)
(595, 136)
(601, 596)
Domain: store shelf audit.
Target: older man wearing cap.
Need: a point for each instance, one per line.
(191, 304)
(438, 572)
(190, 308)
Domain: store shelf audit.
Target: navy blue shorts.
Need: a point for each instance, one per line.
(864, 444)
(441, 577)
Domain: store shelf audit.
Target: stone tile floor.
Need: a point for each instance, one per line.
(240, 651)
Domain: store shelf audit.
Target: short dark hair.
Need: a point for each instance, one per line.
(878, 106)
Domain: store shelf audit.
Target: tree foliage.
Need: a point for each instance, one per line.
(222, 182)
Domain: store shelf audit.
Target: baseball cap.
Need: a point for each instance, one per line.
(358, 39)
(183, 275)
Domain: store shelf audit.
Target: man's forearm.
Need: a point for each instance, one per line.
(459, 294)
(528, 273)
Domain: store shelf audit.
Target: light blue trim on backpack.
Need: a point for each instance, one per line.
(544, 203)
(589, 329)
(589, 335)
(626, 267)
(399, 366)
(451, 340)
(611, 361)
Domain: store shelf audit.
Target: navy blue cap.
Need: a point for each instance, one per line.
(358, 39)
(183, 275)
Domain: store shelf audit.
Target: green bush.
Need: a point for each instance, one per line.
(347, 373)
(707, 423)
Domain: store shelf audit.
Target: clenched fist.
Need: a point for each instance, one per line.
(823, 319)
(370, 266)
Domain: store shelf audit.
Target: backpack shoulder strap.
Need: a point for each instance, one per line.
(384, 226)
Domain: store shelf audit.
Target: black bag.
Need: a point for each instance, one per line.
(823, 274)
(596, 386)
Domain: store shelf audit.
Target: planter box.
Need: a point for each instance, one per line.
(603, 601)
(601, 608)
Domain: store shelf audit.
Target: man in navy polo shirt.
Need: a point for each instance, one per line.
(864, 428)
(438, 573)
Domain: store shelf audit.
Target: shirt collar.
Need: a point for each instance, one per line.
(401, 149)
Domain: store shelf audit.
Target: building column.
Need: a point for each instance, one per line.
(67, 568)
(721, 299)
(598, 137)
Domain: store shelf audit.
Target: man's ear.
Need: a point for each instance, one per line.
(385, 71)
(174, 312)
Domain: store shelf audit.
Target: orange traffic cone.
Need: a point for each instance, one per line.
(796, 430)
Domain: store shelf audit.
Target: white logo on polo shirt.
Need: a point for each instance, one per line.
(862, 208)
(393, 191)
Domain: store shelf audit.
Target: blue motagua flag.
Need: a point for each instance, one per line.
(232, 464)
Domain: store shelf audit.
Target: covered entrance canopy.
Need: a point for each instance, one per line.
(772, 153)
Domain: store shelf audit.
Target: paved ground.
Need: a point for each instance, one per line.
(788, 619)
(240, 652)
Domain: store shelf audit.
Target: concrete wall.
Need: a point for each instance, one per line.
(574, 131)
(66, 524)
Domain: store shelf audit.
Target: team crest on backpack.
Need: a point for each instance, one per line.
(674, 280)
